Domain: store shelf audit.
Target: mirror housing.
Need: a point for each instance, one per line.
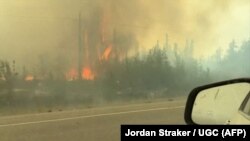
(206, 90)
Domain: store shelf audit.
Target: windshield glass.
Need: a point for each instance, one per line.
(81, 68)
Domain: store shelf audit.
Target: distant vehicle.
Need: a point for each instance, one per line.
(226, 102)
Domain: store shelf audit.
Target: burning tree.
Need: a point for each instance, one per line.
(98, 44)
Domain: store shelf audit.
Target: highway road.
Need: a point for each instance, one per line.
(93, 124)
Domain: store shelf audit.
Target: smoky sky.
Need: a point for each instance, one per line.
(49, 29)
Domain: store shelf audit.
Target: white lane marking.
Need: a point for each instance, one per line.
(94, 108)
(89, 116)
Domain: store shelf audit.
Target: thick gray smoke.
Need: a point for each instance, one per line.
(49, 29)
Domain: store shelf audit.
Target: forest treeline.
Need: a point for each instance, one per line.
(161, 72)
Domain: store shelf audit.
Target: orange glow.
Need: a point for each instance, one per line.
(71, 75)
(87, 74)
(106, 53)
(29, 78)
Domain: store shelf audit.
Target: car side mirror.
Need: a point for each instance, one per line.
(216, 103)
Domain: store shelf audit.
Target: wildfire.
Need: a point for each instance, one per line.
(93, 49)
(29, 78)
(87, 74)
(106, 53)
(71, 75)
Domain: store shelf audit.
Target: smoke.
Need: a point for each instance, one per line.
(210, 24)
(50, 28)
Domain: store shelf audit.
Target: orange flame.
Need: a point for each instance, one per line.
(29, 78)
(72, 74)
(106, 53)
(87, 74)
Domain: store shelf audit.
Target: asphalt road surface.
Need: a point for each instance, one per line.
(93, 124)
